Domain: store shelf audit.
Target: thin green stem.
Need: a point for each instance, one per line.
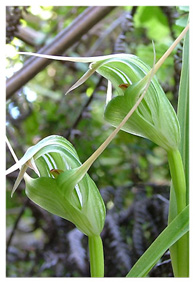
(96, 254)
(181, 249)
(178, 178)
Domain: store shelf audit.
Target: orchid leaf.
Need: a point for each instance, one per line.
(183, 110)
(172, 233)
(183, 117)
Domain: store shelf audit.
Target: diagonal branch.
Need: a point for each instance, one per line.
(65, 39)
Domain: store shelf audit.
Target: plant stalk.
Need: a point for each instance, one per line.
(96, 254)
(178, 178)
(180, 255)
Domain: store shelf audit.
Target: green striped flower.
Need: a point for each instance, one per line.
(62, 185)
(154, 118)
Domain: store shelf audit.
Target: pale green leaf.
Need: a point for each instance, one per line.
(183, 116)
(183, 110)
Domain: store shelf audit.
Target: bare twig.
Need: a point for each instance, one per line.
(82, 24)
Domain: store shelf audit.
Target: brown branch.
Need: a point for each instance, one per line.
(65, 39)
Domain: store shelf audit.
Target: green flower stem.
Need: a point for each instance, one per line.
(180, 255)
(178, 178)
(96, 256)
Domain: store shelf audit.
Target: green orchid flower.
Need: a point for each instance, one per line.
(155, 117)
(62, 187)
